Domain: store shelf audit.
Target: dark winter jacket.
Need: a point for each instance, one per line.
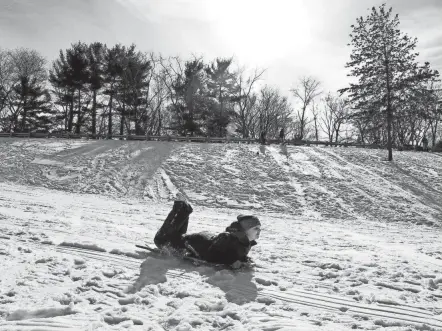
(225, 248)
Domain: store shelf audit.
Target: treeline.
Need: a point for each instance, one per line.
(100, 89)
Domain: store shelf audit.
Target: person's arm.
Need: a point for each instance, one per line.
(226, 249)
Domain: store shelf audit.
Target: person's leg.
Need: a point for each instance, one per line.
(174, 227)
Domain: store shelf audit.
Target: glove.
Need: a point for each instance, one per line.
(236, 265)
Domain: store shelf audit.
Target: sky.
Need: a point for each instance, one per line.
(289, 38)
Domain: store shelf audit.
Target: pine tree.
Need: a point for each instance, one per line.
(40, 115)
(384, 62)
(113, 70)
(63, 91)
(131, 90)
(190, 112)
(69, 76)
(222, 86)
(78, 74)
(136, 88)
(95, 57)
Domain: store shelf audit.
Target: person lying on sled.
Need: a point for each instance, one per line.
(229, 247)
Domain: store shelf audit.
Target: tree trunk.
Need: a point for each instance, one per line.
(301, 134)
(160, 123)
(337, 133)
(123, 118)
(389, 140)
(362, 133)
(389, 113)
(123, 114)
(109, 129)
(316, 129)
(66, 113)
(78, 124)
(71, 113)
(94, 113)
(23, 120)
(138, 128)
(434, 133)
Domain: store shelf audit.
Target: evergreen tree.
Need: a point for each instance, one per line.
(222, 87)
(63, 91)
(189, 114)
(39, 112)
(384, 62)
(69, 76)
(132, 90)
(95, 57)
(137, 80)
(78, 77)
(113, 69)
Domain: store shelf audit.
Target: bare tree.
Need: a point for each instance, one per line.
(340, 116)
(335, 115)
(306, 91)
(28, 71)
(245, 100)
(6, 83)
(156, 98)
(315, 112)
(362, 126)
(434, 112)
(327, 120)
(273, 111)
(172, 74)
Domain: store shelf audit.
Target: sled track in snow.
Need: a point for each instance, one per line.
(324, 302)
(70, 322)
(36, 325)
(398, 312)
(115, 259)
(402, 313)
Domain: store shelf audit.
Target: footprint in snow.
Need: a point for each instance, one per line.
(127, 301)
(79, 261)
(114, 320)
(265, 282)
(266, 300)
(109, 273)
(24, 250)
(44, 260)
(207, 306)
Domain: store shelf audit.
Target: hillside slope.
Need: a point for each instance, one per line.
(322, 183)
(349, 241)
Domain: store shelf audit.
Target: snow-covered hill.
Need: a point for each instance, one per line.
(349, 240)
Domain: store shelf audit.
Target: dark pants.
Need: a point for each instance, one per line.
(174, 227)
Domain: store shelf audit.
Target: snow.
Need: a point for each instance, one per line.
(348, 241)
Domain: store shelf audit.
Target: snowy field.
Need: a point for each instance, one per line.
(349, 241)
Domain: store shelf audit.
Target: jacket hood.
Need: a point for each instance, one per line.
(236, 229)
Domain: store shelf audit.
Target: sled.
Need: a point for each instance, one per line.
(194, 260)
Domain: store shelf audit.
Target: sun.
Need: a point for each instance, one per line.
(260, 31)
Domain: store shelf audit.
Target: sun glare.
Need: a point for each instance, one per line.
(260, 31)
